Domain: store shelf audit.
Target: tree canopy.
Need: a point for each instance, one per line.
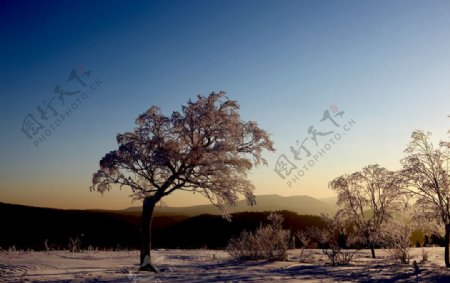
(204, 148)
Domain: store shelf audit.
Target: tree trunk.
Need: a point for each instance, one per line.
(372, 250)
(446, 242)
(146, 235)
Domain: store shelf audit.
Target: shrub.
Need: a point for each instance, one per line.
(12, 249)
(91, 248)
(46, 245)
(304, 240)
(75, 245)
(424, 255)
(333, 241)
(269, 242)
(396, 240)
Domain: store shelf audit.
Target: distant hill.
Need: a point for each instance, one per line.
(304, 205)
(214, 232)
(29, 227)
(330, 200)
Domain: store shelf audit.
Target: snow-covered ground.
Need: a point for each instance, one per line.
(211, 266)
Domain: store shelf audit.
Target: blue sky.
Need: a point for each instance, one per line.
(385, 63)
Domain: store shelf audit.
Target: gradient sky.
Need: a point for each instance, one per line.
(385, 63)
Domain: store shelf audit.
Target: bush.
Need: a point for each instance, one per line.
(333, 241)
(396, 240)
(12, 249)
(269, 242)
(75, 245)
(46, 246)
(304, 240)
(424, 255)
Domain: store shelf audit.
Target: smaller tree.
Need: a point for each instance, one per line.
(426, 175)
(368, 198)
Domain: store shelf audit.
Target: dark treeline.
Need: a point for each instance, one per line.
(28, 227)
(214, 232)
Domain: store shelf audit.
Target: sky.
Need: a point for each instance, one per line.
(74, 74)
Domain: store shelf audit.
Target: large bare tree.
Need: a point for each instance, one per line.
(204, 148)
(368, 198)
(426, 172)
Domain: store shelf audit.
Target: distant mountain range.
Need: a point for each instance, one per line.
(173, 227)
(303, 205)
